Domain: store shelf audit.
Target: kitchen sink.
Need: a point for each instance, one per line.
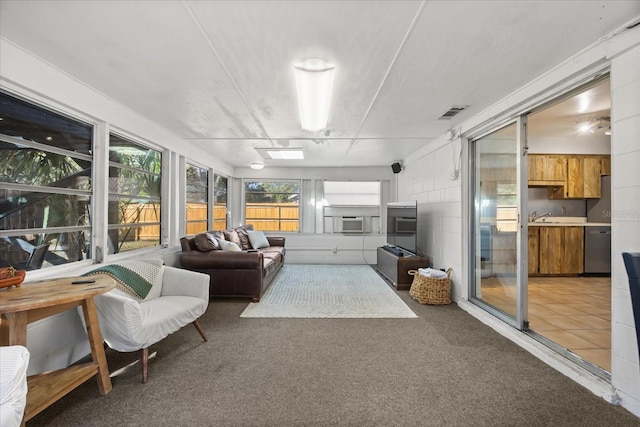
(560, 220)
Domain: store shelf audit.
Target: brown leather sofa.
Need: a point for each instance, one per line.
(246, 273)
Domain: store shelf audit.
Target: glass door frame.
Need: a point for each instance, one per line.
(520, 321)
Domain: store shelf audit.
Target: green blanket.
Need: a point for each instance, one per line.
(133, 277)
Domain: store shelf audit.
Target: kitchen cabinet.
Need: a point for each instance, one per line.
(534, 250)
(568, 176)
(605, 165)
(561, 250)
(546, 170)
(583, 179)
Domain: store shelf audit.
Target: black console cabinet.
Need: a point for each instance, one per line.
(396, 268)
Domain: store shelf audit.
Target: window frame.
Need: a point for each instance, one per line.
(208, 202)
(213, 200)
(160, 199)
(85, 251)
(298, 182)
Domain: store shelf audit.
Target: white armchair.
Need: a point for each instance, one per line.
(14, 361)
(129, 324)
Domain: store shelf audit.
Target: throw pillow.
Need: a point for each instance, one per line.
(214, 240)
(219, 235)
(244, 238)
(258, 239)
(204, 243)
(232, 236)
(229, 246)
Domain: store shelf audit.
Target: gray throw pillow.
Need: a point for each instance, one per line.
(258, 239)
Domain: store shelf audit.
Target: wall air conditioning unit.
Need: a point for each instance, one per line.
(351, 224)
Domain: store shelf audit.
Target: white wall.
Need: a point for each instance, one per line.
(426, 179)
(625, 221)
(443, 204)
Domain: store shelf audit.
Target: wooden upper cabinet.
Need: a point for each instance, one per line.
(568, 176)
(546, 169)
(605, 165)
(591, 177)
(583, 179)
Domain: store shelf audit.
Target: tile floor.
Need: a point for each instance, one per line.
(574, 312)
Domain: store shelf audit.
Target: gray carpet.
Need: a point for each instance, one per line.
(443, 369)
(329, 291)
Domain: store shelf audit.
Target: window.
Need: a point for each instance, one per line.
(45, 185)
(273, 205)
(506, 207)
(351, 207)
(197, 209)
(220, 189)
(134, 195)
(351, 193)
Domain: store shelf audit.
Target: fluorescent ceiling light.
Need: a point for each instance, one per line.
(256, 165)
(286, 154)
(314, 78)
(295, 153)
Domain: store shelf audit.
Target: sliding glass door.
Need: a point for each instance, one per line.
(499, 251)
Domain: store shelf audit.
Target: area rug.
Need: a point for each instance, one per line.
(329, 291)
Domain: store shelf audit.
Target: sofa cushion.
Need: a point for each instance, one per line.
(229, 246)
(258, 239)
(274, 249)
(244, 237)
(219, 235)
(231, 235)
(215, 237)
(206, 242)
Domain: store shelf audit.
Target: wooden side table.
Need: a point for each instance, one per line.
(37, 300)
(396, 268)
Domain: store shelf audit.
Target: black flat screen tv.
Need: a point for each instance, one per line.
(402, 225)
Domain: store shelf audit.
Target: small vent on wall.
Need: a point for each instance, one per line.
(453, 111)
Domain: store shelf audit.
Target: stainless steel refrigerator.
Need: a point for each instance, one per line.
(597, 239)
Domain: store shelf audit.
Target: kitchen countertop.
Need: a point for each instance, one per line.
(569, 224)
(567, 221)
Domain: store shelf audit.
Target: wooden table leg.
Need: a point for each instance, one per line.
(95, 341)
(16, 328)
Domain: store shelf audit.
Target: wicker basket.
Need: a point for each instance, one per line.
(430, 290)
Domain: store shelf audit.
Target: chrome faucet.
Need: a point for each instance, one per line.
(534, 216)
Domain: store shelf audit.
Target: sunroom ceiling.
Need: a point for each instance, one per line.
(220, 73)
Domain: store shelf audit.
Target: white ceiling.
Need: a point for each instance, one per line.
(220, 73)
(564, 118)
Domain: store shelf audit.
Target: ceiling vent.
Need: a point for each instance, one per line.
(453, 111)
